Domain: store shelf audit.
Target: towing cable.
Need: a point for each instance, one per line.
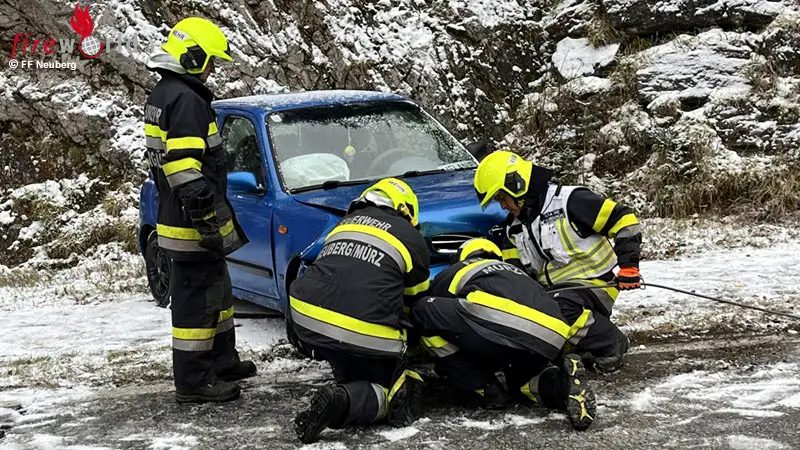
(669, 288)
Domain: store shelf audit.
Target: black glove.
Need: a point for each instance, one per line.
(204, 219)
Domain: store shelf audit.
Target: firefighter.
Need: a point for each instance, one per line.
(484, 315)
(196, 224)
(347, 308)
(560, 235)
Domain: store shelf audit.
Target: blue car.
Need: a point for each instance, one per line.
(297, 160)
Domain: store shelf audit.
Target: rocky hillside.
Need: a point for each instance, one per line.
(678, 106)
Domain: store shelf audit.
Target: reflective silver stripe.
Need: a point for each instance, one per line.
(374, 241)
(576, 338)
(214, 140)
(471, 273)
(225, 325)
(380, 394)
(505, 319)
(192, 346)
(629, 231)
(182, 245)
(183, 177)
(347, 336)
(154, 143)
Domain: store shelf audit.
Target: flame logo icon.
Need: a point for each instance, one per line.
(81, 21)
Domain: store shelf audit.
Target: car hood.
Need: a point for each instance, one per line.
(449, 210)
(430, 190)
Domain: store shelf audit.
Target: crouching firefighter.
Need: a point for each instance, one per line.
(560, 236)
(484, 315)
(196, 224)
(346, 308)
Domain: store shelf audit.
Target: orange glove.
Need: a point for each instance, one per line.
(628, 278)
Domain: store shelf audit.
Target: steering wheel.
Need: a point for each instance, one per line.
(386, 158)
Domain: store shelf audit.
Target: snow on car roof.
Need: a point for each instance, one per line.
(293, 100)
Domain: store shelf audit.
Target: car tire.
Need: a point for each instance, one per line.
(159, 271)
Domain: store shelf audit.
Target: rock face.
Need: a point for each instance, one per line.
(608, 92)
(647, 17)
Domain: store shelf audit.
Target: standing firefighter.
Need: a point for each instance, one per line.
(196, 224)
(560, 236)
(486, 315)
(346, 308)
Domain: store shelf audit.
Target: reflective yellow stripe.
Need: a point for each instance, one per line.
(457, 283)
(611, 291)
(519, 310)
(511, 253)
(580, 323)
(154, 131)
(626, 221)
(399, 383)
(225, 314)
(347, 322)
(413, 290)
(583, 267)
(195, 334)
(181, 165)
(380, 234)
(189, 234)
(212, 128)
(189, 142)
(605, 213)
(566, 238)
(434, 341)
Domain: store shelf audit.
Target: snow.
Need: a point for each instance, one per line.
(588, 85)
(741, 442)
(711, 61)
(491, 13)
(577, 57)
(399, 434)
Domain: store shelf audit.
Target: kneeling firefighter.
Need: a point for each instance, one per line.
(485, 315)
(346, 308)
(560, 236)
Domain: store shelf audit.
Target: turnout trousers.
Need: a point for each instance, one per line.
(370, 382)
(203, 334)
(469, 361)
(601, 336)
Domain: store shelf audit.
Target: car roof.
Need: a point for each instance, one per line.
(292, 100)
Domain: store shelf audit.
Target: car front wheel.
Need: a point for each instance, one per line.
(158, 271)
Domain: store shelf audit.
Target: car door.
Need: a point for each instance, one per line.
(251, 267)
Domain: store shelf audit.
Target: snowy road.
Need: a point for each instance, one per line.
(701, 375)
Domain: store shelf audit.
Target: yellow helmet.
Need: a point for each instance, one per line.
(502, 171)
(193, 41)
(400, 195)
(476, 246)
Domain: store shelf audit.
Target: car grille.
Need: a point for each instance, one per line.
(447, 244)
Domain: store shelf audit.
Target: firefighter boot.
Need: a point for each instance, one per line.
(329, 407)
(238, 371)
(220, 391)
(491, 396)
(579, 398)
(612, 363)
(405, 405)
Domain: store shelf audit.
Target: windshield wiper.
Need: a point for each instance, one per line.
(330, 184)
(418, 173)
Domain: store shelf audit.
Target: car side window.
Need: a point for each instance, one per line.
(241, 145)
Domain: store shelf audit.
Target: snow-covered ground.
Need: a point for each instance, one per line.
(85, 366)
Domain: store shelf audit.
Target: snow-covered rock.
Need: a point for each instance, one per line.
(577, 57)
(646, 17)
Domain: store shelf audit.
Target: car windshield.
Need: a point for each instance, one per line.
(359, 143)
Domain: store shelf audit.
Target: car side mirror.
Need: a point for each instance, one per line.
(478, 149)
(244, 182)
